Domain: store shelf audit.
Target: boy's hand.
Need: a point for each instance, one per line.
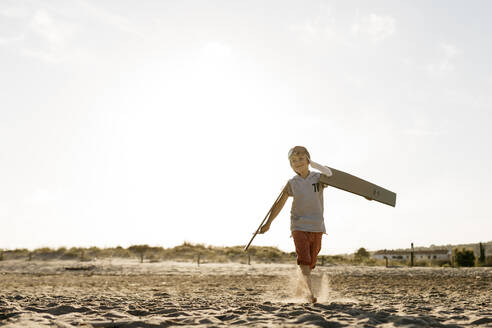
(264, 228)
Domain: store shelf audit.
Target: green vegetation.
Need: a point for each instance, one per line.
(200, 253)
(140, 250)
(362, 254)
(15, 254)
(186, 252)
(464, 258)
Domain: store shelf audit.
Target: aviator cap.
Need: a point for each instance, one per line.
(298, 150)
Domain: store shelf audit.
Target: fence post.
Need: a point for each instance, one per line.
(249, 259)
(411, 256)
(386, 258)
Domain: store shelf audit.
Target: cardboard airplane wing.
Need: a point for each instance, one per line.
(353, 184)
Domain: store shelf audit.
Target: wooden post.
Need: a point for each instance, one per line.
(198, 260)
(249, 259)
(322, 261)
(386, 258)
(1, 255)
(30, 257)
(411, 256)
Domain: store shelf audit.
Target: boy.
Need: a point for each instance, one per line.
(307, 223)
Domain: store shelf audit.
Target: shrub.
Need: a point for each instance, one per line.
(140, 250)
(61, 250)
(71, 253)
(43, 250)
(93, 251)
(120, 252)
(17, 253)
(44, 253)
(464, 258)
(361, 253)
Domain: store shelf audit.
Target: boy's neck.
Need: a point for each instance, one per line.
(304, 174)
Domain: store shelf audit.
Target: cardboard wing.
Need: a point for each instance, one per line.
(353, 184)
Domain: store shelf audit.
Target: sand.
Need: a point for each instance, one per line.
(125, 293)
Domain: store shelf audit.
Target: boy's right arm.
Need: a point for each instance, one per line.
(323, 169)
(277, 207)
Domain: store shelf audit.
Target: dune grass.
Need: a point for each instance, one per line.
(145, 253)
(199, 253)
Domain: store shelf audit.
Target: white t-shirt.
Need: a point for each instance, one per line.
(307, 208)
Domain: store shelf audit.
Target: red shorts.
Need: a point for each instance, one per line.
(308, 245)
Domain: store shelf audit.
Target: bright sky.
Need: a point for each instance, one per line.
(160, 122)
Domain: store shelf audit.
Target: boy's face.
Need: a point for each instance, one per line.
(299, 162)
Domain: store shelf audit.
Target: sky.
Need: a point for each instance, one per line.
(159, 122)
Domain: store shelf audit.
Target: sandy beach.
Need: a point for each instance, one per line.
(125, 293)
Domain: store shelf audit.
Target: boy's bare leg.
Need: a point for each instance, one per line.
(306, 274)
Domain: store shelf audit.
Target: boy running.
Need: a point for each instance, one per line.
(306, 220)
